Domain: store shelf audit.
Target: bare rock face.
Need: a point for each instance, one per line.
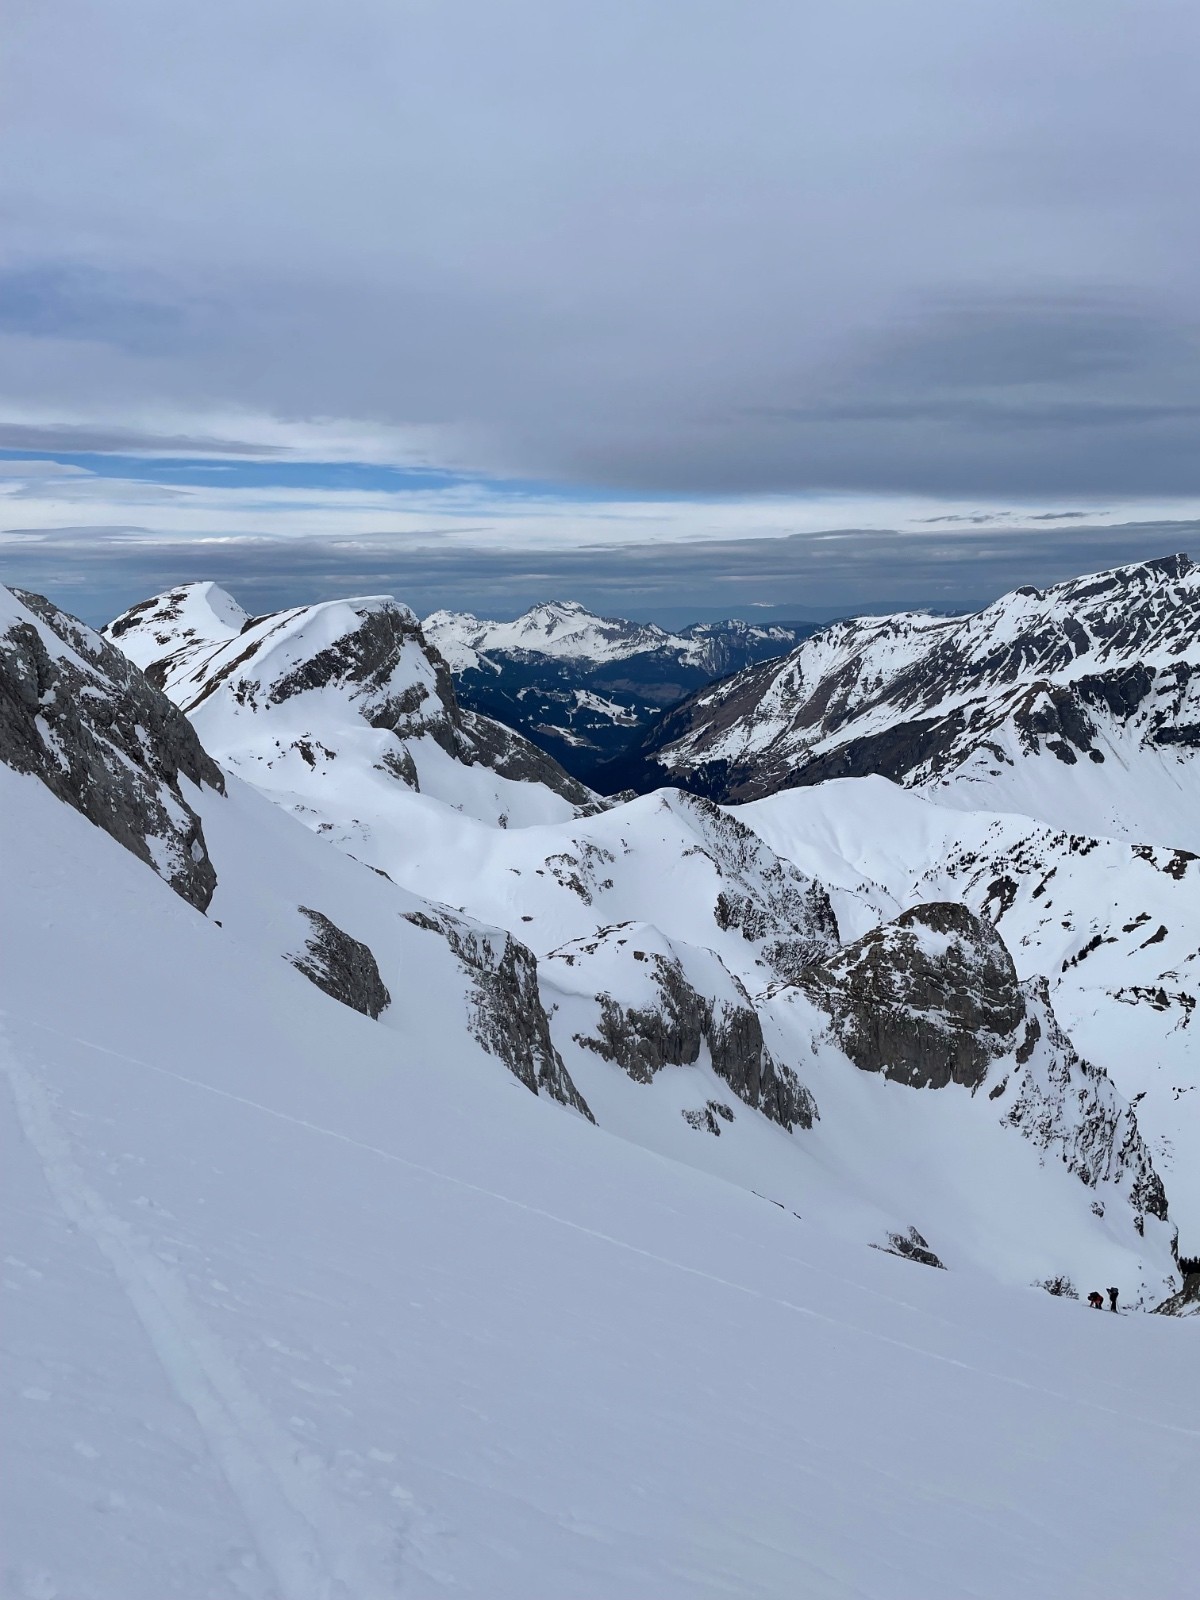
(81, 718)
(671, 1020)
(933, 999)
(786, 915)
(509, 1019)
(929, 999)
(913, 1246)
(342, 966)
(1069, 1108)
(1186, 1303)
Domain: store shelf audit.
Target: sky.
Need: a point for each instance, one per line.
(674, 307)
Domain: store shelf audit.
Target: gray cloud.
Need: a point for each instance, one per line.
(687, 246)
(99, 572)
(73, 439)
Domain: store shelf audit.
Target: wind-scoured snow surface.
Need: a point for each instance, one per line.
(1078, 705)
(297, 1308)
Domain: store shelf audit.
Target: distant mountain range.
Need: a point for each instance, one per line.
(414, 1157)
(1078, 704)
(585, 687)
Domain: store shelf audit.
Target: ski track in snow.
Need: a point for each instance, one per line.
(146, 1274)
(307, 1541)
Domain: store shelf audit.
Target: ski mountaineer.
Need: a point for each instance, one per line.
(1112, 1299)
(1096, 1300)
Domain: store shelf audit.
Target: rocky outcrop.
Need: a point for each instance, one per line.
(80, 717)
(929, 999)
(786, 915)
(1186, 1303)
(507, 1017)
(1069, 1108)
(657, 1017)
(344, 967)
(912, 1246)
(933, 999)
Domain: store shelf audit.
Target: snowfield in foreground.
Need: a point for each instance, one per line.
(365, 1323)
(418, 1182)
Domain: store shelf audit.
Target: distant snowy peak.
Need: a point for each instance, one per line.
(281, 698)
(559, 628)
(1014, 708)
(193, 617)
(582, 686)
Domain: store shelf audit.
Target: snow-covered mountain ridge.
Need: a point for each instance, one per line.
(320, 1280)
(672, 865)
(333, 707)
(570, 632)
(1079, 704)
(583, 686)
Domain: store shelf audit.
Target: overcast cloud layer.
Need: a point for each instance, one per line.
(672, 244)
(727, 255)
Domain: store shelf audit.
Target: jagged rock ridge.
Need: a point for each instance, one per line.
(508, 1017)
(651, 1011)
(77, 715)
(1082, 683)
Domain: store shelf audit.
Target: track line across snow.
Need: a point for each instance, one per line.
(305, 1540)
(619, 1244)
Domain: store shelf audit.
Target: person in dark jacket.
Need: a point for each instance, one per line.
(1096, 1300)
(1112, 1299)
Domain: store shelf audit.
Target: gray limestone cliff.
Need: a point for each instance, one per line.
(678, 1020)
(344, 967)
(81, 718)
(933, 999)
(929, 999)
(508, 1018)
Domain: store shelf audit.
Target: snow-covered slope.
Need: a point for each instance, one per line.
(720, 924)
(308, 1296)
(290, 1314)
(1113, 928)
(1124, 990)
(583, 686)
(332, 708)
(1079, 705)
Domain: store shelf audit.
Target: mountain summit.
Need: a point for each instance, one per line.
(332, 706)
